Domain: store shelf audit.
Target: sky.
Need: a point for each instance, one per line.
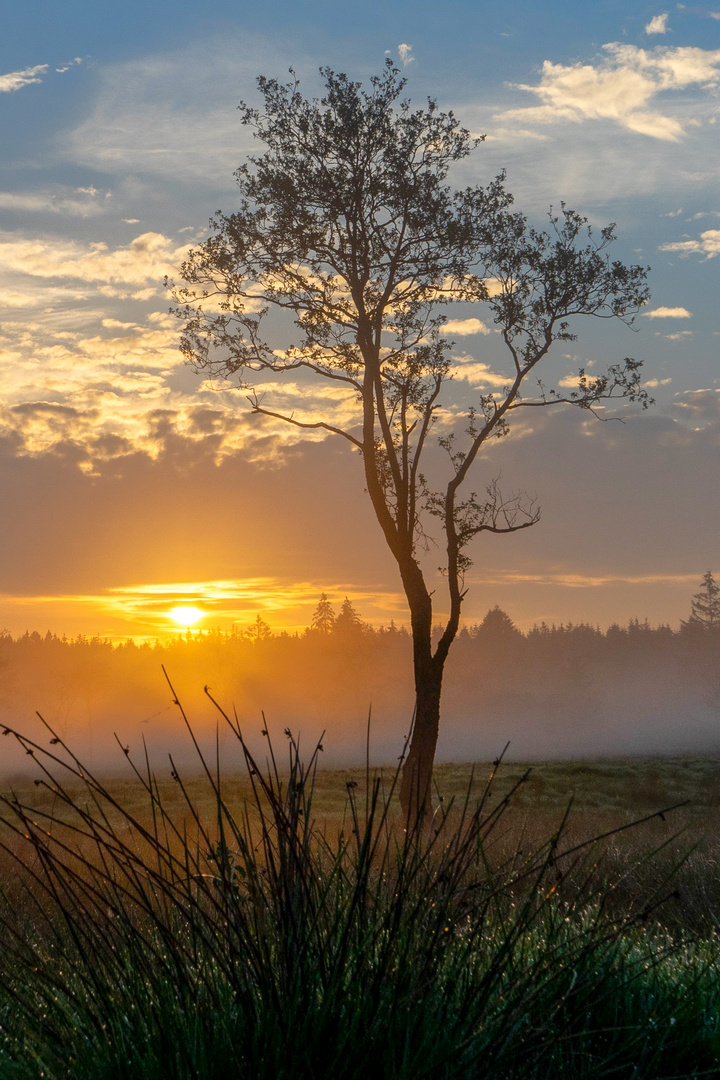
(129, 486)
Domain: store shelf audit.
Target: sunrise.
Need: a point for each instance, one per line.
(360, 591)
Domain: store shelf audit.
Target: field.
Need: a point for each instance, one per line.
(289, 926)
(606, 790)
(603, 795)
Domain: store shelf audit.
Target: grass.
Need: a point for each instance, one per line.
(287, 925)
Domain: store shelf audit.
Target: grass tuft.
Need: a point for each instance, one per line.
(261, 943)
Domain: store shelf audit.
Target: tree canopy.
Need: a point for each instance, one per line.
(347, 226)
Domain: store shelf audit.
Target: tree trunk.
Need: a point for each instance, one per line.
(415, 785)
(416, 781)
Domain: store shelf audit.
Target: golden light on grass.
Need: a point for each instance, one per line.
(186, 616)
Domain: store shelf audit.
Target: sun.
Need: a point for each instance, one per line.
(186, 616)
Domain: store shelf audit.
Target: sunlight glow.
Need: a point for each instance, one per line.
(186, 616)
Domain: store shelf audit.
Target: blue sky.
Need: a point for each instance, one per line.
(120, 135)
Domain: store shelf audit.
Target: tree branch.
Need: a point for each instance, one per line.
(257, 409)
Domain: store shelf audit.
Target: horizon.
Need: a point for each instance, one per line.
(170, 626)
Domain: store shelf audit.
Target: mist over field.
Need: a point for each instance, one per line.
(555, 692)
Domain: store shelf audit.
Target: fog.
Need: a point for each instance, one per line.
(555, 692)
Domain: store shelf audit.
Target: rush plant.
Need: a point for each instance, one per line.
(171, 944)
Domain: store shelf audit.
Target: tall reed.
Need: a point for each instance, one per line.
(262, 944)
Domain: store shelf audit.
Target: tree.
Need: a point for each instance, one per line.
(497, 626)
(323, 619)
(348, 623)
(257, 631)
(704, 607)
(346, 225)
(701, 633)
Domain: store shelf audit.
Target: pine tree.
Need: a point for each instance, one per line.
(498, 625)
(323, 619)
(348, 621)
(257, 631)
(705, 606)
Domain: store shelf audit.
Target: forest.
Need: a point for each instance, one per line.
(558, 691)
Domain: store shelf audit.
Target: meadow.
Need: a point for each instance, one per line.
(557, 920)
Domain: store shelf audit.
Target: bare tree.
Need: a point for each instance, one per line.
(346, 223)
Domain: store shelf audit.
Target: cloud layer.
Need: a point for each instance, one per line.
(621, 86)
(140, 471)
(147, 258)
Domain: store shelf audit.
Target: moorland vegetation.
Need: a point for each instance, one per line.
(182, 928)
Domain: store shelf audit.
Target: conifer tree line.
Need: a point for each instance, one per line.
(703, 623)
(552, 690)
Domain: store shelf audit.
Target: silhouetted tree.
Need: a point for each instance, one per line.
(704, 607)
(258, 631)
(348, 622)
(346, 224)
(497, 626)
(323, 619)
(701, 637)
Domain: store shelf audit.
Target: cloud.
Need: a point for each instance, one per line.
(149, 257)
(621, 87)
(512, 134)
(115, 324)
(707, 244)
(668, 313)
(698, 409)
(62, 201)
(97, 380)
(593, 164)
(569, 382)
(657, 25)
(679, 335)
(33, 295)
(405, 52)
(701, 11)
(71, 63)
(478, 374)
(144, 129)
(110, 387)
(465, 327)
(579, 581)
(15, 80)
(143, 121)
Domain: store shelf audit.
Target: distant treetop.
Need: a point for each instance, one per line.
(497, 623)
(323, 620)
(704, 607)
